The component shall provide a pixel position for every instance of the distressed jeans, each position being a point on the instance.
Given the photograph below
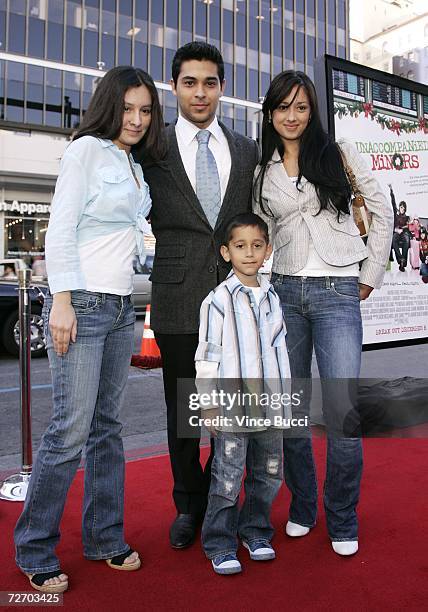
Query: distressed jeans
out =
(323, 314)
(88, 384)
(261, 454)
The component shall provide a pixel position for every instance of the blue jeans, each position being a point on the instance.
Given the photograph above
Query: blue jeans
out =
(88, 385)
(323, 314)
(261, 454)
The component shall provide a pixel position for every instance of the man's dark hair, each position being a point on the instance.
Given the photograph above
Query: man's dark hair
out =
(197, 51)
(245, 220)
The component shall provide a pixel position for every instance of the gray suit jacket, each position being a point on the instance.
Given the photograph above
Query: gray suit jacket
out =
(338, 243)
(188, 264)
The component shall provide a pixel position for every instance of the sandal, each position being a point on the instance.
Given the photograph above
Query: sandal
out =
(118, 562)
(37, 582)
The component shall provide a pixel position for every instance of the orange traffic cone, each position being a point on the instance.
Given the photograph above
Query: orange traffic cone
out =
(149, 356)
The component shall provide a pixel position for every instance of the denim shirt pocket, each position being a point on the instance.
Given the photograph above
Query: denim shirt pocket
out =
(115, 199)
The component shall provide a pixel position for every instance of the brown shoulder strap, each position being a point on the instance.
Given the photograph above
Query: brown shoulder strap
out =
(350, 174)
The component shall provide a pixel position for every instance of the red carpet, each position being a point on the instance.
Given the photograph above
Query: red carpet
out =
(389, 573)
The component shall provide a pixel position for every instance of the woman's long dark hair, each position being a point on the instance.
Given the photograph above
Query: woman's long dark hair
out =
(320, 160)
(104, 116)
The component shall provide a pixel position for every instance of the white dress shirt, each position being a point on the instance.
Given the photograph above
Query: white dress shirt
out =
(188, 147)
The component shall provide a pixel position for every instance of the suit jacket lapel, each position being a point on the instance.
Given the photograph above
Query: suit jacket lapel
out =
(179, 174)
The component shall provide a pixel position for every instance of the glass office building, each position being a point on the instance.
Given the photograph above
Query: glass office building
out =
(52, 50)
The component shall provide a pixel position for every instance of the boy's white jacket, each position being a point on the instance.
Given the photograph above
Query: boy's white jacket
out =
(246, 343)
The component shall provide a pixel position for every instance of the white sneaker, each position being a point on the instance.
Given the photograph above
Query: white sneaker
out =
(294, 530)
(260, 550)
(226, 564)
(345, 548)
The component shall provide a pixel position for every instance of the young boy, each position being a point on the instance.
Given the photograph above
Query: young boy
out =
(242, 337)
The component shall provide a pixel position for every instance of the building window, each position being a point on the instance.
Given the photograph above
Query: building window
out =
(241, 29)
(71, 97)
(156, 62)
(300, 47)
(289, 43)
(36, 37)
(214, 32)
(186, 15)
(310, 48)
(201, 20)
(332, 12)
(17, 27)
(172, 14)
(15, 92)
(34, 97)
(227, 26)
(341, 14)
(241, 82)
(157, 11)
(253, 84)
(53, 114)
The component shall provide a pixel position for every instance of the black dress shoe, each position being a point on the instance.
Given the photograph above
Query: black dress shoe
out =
(183, 530)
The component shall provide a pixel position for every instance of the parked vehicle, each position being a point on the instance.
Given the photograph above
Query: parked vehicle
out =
(9, 308)
(9, 317)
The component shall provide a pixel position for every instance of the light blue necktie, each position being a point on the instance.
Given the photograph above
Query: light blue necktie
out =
(207, 179)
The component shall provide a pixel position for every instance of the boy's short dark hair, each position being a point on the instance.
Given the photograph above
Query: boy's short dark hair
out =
(245, 220)
(200, 51)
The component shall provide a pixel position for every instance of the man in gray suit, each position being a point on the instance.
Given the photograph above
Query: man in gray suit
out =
(204, 181)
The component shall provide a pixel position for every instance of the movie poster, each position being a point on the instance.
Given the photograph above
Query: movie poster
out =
(389, 127)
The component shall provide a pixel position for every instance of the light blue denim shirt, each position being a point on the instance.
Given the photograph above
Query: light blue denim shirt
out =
(95, 195)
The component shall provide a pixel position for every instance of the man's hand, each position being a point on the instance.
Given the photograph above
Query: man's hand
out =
(365, 291)
(62, 322)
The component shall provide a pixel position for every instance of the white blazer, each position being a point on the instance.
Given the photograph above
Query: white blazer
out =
(295, 220)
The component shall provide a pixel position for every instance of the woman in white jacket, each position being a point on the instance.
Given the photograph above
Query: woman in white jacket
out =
(301, 189)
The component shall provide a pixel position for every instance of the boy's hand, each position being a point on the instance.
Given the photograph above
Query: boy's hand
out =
(209, 414)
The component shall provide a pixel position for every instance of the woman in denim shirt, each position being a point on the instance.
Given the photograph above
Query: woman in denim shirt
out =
(96, 226)
(303, 192)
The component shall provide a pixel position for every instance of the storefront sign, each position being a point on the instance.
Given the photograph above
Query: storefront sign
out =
(25, 208)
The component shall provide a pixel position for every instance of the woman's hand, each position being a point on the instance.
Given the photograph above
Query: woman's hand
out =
(62, 322)
(365, 291)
